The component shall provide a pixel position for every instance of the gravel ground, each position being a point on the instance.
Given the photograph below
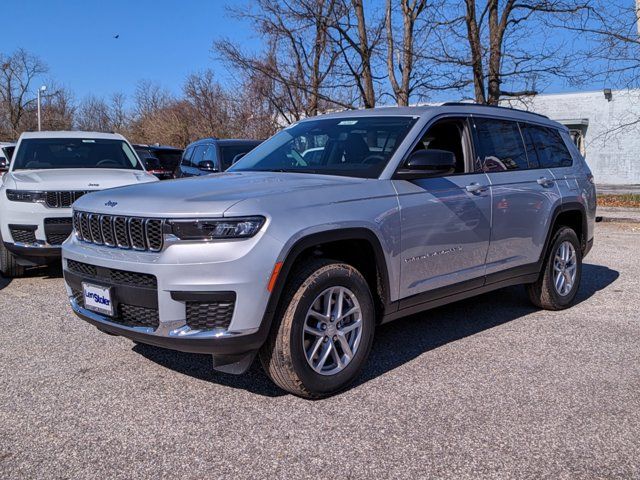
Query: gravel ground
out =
(485, 388)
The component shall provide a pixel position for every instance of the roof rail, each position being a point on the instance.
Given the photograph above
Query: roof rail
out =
(481, 105)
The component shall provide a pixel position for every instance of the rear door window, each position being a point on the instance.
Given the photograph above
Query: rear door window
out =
(500, 146)
(551, 149)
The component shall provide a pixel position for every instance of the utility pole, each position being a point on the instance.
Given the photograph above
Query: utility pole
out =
(43, 88)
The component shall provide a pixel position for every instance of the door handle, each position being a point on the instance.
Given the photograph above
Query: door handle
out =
(475, 188)
(544, 181)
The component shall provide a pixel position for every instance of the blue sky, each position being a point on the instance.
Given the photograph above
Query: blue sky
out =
(160, 40)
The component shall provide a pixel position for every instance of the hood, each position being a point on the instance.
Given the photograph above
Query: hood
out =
(209, 195)
(77, 178)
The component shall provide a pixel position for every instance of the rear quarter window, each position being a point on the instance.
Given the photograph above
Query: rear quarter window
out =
(549, 146)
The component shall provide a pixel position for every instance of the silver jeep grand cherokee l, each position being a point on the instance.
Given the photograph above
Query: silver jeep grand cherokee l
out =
(334, 225)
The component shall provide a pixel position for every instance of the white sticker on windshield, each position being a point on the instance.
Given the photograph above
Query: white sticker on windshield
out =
(84, 140)
(348, 122)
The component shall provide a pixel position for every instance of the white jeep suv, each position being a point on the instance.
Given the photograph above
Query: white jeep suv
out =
(47, 173)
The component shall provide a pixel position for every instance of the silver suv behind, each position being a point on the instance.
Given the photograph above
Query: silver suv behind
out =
(334, 225)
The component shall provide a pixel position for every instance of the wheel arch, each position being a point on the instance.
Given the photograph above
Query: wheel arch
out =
(572, 215)
(328, 243)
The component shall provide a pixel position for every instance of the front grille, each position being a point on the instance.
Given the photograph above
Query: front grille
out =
(22, 234)
(57, 229)
(135, 316)
(62, 199)
(56, 238)
(118, 277)
(127, 315)
(209, 316)
(133, 278)
(144, 234)
(82, 268)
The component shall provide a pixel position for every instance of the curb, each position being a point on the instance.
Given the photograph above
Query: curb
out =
(617, 219)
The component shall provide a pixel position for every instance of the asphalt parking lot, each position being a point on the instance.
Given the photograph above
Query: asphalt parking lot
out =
(488, 387)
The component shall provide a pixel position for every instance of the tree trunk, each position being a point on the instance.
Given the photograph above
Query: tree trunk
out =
(369, 96)
(495, 54)
(476, 51)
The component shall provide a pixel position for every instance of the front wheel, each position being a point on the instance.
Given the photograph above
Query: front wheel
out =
(8, 265)
(559, 280)
(324, 330)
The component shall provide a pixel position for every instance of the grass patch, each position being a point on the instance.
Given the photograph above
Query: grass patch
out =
(623, 200)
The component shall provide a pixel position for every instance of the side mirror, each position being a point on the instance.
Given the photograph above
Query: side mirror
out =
(428, 163)
(207, 166)
(237, 157)
(4, 165)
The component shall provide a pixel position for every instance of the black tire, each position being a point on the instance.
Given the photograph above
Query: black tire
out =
(8, 265)
(543, 293)
(283, 355)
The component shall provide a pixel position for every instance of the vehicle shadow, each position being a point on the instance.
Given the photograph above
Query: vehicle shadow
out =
(46, 272)
(201, 367)
(398, 342)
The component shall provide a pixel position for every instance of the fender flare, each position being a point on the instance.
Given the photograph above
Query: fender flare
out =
(560, 209)
(308, 241)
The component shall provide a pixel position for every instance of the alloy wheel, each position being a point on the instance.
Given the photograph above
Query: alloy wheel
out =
(564, 268)
(332, 330)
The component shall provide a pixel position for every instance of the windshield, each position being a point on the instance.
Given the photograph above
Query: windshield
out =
(52, 153)
(354, 147)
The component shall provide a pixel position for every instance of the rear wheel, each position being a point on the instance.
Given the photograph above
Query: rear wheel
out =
(559, 280)
(324, 330)
(8, 264)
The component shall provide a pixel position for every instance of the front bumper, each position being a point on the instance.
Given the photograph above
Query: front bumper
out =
(226, 343)
(42, 231)
(182, 274)
(33, 254)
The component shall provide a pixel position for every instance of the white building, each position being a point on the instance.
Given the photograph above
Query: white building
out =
(604, 124)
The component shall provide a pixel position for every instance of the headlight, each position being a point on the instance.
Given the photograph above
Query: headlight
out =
(205, 229)
(25, 196)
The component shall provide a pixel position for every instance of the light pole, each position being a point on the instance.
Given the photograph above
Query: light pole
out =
(40, 91)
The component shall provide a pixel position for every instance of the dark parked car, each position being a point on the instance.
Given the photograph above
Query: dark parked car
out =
(211, 155)
(159, 160)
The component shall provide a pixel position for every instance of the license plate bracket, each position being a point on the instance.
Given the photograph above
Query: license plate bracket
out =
(98, 298)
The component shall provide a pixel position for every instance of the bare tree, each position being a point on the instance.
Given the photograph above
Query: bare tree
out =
(149, 97)
(253, 115)
(99, 115)
(613, 35)
(357, 41)
(209, 103)
(118, 114)
(406, 55)
(18, 72)
(58, 110)
(93, 115)
(499, 48)
(297, 60)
